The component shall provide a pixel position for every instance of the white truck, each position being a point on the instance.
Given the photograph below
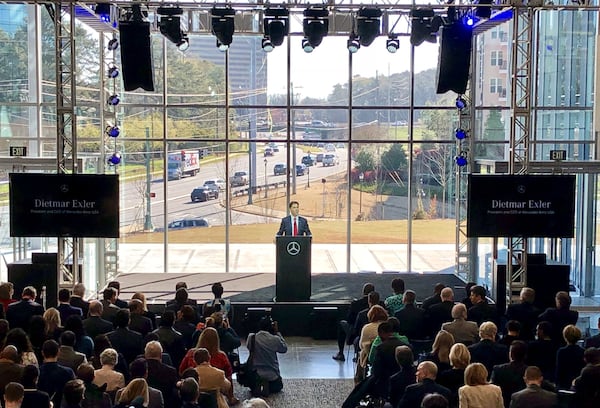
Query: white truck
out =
(183, 163)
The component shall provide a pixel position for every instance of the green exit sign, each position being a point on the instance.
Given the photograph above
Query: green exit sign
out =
(18, 151)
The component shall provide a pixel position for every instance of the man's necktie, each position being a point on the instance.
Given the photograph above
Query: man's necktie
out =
(295, 227)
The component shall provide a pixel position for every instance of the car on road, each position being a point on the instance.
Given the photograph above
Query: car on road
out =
(274, 147)
(330, 147)
(268, 152)
(239, 179)
(308, 160)
(279, 169)
(300, 169)
(219, 183)
(319, 157)
(330, 159)
(188, 223)
(204, 194)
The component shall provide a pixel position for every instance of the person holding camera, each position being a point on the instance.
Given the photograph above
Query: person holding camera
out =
(265, 345)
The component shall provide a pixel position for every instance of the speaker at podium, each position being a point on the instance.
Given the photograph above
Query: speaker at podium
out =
(292, 277)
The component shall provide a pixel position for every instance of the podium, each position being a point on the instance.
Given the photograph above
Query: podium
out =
(292, 278)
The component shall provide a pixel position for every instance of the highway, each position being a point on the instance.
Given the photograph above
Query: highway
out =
(179, 204)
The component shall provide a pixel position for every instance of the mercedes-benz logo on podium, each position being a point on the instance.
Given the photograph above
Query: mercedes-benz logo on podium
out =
(293, 248)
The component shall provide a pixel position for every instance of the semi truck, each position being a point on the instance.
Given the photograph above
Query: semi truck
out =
(183, 163)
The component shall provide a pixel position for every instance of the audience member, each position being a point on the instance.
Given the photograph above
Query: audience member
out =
(95, 396)
(181, 300)
(83, 343)
(487, 351)
(212, 379)
(345, 331)
(36, 335)
(137, 321)
(73, 394)
(181, 285)
(147, 313)
(267, 342)
(414, 394)
(255, 403)
(376, 315)
(467, 300)
(134, 395)
(477, 392)
(412, 318)
(534, 396)
(481, 311)
(569, 359)
(440, 353)
(454, 378)
(440, 313)
(64, 307)
(510, 376)
(161, 376)
(205, 399)
(53, 324)
(7, 290)
(395, 335)
(107, 374)
(109, 309)
(33, 398)
(121, 304)
(434, 401)
(384, 361)
(67, 356)
(124, 340)
(559, 317)
(218, 304)
(13, 395)
(95, 324)
(19, 313)
(393, 303)
(593, 341)
(587, 391)
(189, 391)
(435, 298)
(10, 369)
(170, 339)
(463, 331)
(101, 343)
(362, 318)
(209, 339)
(542, 351)
(513, 332)
(4, 328)
(77, 300)
(525, 312)
(18, 338)
(404, 377)
(185, 324)
(53, 376)
(139, 369)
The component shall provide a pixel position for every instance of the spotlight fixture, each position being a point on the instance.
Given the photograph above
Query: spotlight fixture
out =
(170, 26)
(393, 43)
(275, 27)
(461, 103)
(461, 159)
(112, 131)
(315, 26)
(223, 26)
(113, 100)
(368, 25)
(423, 27)
(484, 11)
(103, 10)
(460, 134)
(113, 71)
(113, 44)
(114, 159)
(353, 43)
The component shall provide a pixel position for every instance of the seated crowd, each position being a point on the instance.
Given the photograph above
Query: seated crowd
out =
(452, 354)
(116, 353)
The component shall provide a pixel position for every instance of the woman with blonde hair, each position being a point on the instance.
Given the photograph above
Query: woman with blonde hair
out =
(454, 378)
(53, 324)
(147, 313)
(477, 391)
(440, 353)
(376, 315)
(135, 394)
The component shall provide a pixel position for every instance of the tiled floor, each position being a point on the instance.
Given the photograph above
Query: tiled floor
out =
(308, 358)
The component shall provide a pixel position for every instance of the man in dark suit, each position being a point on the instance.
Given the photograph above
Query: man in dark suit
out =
(109, 309)
(361, 319)
(77, 299)
(481, 311)
(161, 376)
(525, 313)
(440, 313)
(137, 321)
(414, 394)
(542, 351)
(181, 285)
(533, 396)
(67, 356)
(181, 300)
(117, 286)
(559, 317)
(64, 307)
(53, 376)
(587, 392)
(487, 351)
(435, 298)
(171, 341)
(19, 313)
(94, 324)
(412, 318)
(125, 341)
(593, 341)
(345, 333)
(384, 362)
(10, 369)
(509, 376)
(294, 225)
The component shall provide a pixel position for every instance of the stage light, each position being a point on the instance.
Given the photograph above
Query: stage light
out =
(114, 159)
(275, 27)
(393, 43)
(368, 25)
(353, 43)
(484, 11)
(113, 71)
(461, 160)
(460, 134)
(422, 26)
(170, 26)
(315, 26)
(113, 100)
(112, 131)
(223, 26)
(469, 20)
(113, 44)
(461, 102)
(103, 10)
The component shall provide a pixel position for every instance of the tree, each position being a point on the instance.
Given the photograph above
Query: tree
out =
(437, 159)
(394, 163)
(365, 161)
(493, 132)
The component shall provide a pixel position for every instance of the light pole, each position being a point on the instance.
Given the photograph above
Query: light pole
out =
(266, 177)
(361, 177)
(308, 176)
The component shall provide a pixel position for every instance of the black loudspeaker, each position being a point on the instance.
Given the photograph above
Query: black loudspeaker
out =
(39, 275)
(454, 58)
(324, 322)
(136, 55)
(546, 280)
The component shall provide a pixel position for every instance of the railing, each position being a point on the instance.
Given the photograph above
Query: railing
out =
(256, 189)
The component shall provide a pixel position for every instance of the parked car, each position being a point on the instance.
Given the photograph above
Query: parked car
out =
(220, 183)
(240, 178)
(279, 169)
(204, 194)
(268, 152)
(308, 160)
(188, 223)
(319, 157)
(330, 160)
(300, 169)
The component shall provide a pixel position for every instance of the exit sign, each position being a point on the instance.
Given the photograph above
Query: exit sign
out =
(558, 154)
(18, 151)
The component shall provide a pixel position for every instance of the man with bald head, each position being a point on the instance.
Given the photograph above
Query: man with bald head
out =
(414, 394)
(440, 313)
(161, 376)
(464, 331)
(525, 312)
(95, 324)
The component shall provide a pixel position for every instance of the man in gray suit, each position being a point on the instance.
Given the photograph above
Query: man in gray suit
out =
(533, 396)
